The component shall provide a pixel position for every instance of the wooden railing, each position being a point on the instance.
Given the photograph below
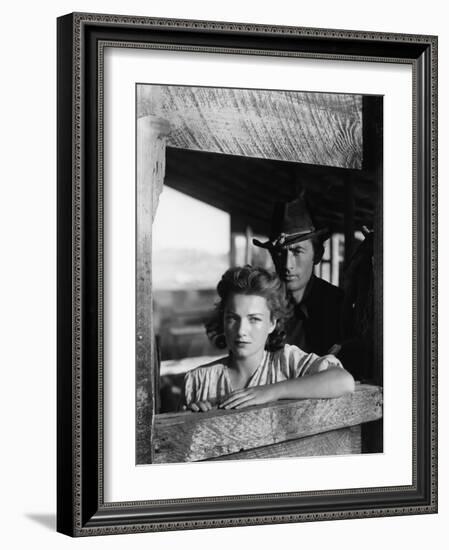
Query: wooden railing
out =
(307, 427)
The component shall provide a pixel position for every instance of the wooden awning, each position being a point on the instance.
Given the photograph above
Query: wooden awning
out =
(313, 128)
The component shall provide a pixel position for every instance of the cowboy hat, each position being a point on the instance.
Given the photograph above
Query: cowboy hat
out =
(291, 223)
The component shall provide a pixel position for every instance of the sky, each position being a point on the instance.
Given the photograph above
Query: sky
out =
(184, 222)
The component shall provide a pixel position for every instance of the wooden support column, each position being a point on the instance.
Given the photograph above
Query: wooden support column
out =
(373, 162)
(335, 256)
(238, 228)
(349, 219)
(248, 245)
(151, 141)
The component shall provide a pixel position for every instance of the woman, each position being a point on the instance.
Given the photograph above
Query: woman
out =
(259, 367)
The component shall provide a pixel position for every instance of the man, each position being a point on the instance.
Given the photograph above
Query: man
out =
(296, 246)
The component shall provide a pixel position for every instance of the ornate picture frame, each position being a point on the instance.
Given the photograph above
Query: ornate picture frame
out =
(83, 509)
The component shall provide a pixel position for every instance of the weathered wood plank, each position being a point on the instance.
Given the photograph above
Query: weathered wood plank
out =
(185, 437)
(151, 137)
(308, 127)
(337, 442)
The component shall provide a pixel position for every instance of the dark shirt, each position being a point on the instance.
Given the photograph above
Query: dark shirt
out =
(315, 325)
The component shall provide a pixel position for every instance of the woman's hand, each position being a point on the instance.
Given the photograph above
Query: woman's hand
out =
(199, 406)
(247, 397)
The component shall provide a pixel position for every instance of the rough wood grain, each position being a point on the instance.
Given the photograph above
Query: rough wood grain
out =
(337, 442)
(185, 437)
(308, 127)
(151, 137)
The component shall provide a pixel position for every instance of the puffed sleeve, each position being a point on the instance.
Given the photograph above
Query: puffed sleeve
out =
(189, 390)
(323, 363)
(302, 363)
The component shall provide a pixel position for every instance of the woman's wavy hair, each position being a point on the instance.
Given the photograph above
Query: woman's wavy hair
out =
(257, 281)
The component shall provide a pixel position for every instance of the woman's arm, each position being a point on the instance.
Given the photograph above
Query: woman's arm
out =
(332, 382)
(335, 381)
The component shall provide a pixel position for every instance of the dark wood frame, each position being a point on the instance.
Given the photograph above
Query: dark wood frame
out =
(81, 507)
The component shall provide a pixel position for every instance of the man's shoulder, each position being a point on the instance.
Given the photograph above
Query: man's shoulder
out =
(320, 286)
(325, 296)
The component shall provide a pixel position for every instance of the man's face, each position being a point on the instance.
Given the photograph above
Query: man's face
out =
(294, 264)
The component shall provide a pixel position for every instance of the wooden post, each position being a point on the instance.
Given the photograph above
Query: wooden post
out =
(373, 136)
(248, 245)
(373, 161)
(151, 139)
(335, 257)
(349, 219)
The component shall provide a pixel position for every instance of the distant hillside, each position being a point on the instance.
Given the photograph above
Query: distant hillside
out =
(187, 268)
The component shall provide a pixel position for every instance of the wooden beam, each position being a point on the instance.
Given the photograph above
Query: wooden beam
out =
(308, 127)
(186, 437)
(337, 442)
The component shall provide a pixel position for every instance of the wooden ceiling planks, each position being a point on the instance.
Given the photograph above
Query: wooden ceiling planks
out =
(247, 188)
(307, 127)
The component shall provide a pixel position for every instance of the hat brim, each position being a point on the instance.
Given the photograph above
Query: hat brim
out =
(293, 239)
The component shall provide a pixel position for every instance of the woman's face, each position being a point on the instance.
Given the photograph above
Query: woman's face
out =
(247, 324)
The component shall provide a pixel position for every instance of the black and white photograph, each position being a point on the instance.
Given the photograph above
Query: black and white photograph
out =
(259, 261)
